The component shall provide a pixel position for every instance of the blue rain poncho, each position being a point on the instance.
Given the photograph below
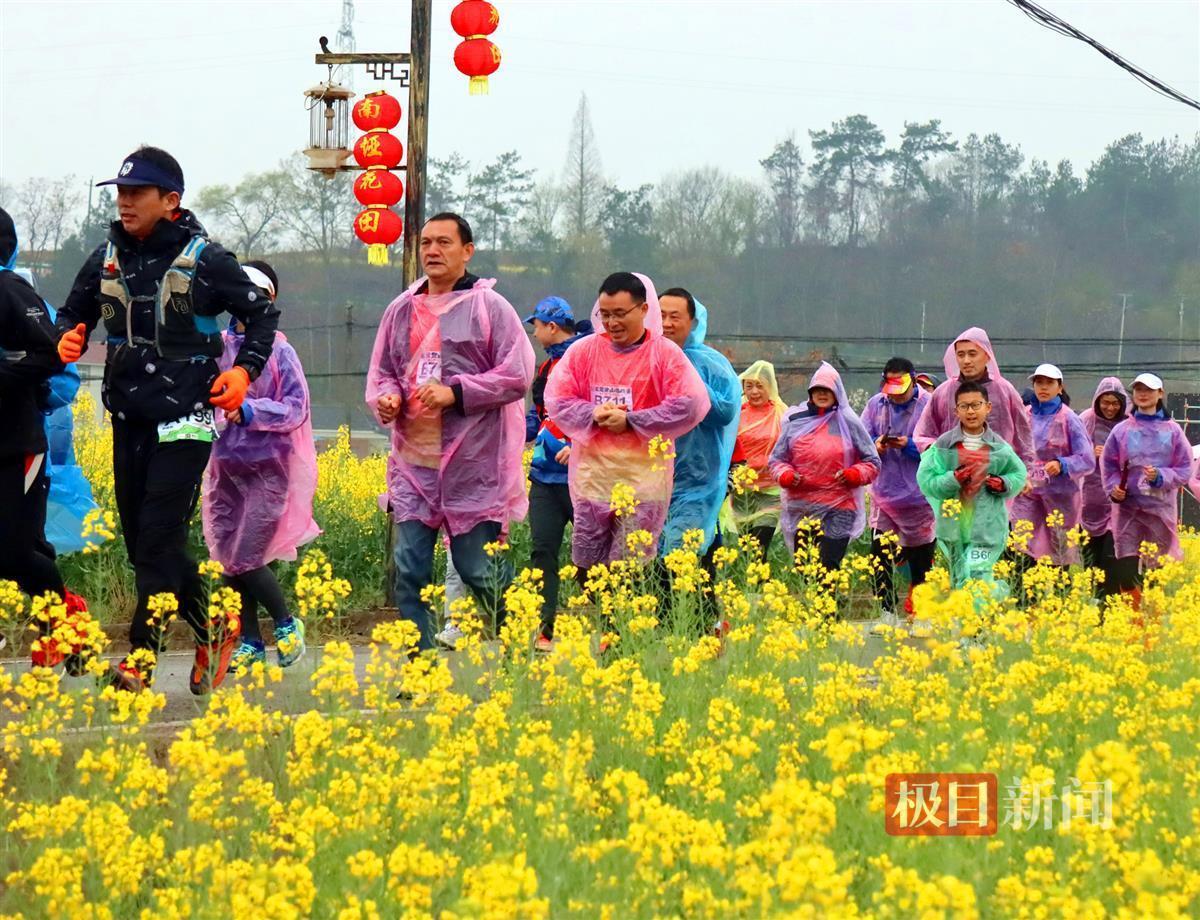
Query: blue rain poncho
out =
(703, 455)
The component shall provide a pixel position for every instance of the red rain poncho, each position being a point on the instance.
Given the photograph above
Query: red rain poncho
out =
(816, 445)
(664, 396)
(261, 478)
(1008, 418)
(1149, 513)
(1057, 435)
(897, 504)
(449, 468)
(1097, 507)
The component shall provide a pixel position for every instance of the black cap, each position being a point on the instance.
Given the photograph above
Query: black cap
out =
(136, 171)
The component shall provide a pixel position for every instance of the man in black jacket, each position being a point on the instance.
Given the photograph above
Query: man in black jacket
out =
(27, 361)
(159, 285)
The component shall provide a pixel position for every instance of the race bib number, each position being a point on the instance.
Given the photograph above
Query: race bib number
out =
(429, 369)
(1037, 475)
(199, 426)
(622, 396)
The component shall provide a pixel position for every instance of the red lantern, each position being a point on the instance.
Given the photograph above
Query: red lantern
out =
(473, 18)
(377, 111)
(378, 187)
(379, 228)
(378, 148)
(478, 58)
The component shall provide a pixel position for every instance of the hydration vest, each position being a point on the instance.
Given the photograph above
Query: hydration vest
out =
(179, 333)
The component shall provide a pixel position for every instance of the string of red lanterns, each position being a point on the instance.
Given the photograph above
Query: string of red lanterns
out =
(476, 56)
(378, 188)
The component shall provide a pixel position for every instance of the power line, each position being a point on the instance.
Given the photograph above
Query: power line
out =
(1044, 17)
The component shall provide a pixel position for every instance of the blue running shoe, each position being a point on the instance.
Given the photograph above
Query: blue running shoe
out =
(289, 642)
(245, 656)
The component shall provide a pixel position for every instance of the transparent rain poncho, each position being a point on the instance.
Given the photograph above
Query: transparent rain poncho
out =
(1150, 512)
(816, 445)
(1056, 436)
(1097, 507)
(663, 395)
(897, 504)
(69, 500)
(1008, 418)
(702, 456)
(262, 476)
(758, 430)
(450, 468)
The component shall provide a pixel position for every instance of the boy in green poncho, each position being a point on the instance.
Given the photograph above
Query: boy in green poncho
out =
(976, 467)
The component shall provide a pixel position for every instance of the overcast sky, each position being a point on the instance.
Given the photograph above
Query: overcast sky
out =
(671, 84)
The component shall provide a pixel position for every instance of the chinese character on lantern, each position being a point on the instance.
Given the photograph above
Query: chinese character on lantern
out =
(378, 188)
(476, 56)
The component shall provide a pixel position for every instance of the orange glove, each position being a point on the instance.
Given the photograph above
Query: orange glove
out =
(72, 344)
(229, 389)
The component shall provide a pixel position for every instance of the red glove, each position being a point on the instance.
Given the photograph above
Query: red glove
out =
(72, 344)
(995, 485)
(229, 389)
(789, 479)
(963, 475)
(852, 477)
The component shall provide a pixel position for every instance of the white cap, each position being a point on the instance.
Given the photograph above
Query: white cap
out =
(260, 279)
(1047, 370)
(1153, 381)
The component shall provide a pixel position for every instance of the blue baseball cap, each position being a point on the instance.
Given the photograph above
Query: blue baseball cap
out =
(553, 310)
(136, 171)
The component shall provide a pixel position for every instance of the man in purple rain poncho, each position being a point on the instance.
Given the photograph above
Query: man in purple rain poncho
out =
(971, 357)
(1110, 407)
(897, 504)
(448, 374)
(259, 488)
(1145, 462)
(1062, 457)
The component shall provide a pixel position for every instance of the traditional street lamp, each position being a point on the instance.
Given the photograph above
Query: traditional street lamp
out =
(328, 127)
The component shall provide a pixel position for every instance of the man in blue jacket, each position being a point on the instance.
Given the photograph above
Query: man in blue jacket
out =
(703, 455)
(550, 508)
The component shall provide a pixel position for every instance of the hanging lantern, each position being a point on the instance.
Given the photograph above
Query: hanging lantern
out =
(378, 148)
(329, 128)
(379, 228)
(378, 187)
(377, 111)
(476, 57)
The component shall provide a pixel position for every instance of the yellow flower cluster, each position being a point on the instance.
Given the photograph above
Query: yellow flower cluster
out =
(681, 774)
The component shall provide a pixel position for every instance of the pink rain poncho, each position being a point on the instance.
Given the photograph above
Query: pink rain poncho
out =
(1008, 417)
(261, 478)
(1150, 511)
(663, 395)
(1058, 434)
(816, 445)
(1097, 507)
(454, 468)
(897, 504)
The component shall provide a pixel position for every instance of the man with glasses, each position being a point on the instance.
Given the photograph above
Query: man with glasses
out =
(622, 395)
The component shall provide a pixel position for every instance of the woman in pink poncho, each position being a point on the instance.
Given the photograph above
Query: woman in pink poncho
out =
(824, 459)
(611, 394)
(1063, 456)
(1110, 407)
(1145, 462)
(971, 357)
(449, 372)
(259, 487)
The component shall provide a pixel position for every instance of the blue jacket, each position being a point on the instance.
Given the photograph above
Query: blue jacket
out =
(703, 455)
(547, 439)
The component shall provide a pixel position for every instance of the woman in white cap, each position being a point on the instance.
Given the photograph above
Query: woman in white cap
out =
(1146, 461)
(1052, 500)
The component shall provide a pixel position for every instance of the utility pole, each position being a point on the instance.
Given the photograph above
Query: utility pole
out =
(1121, 335)
(418, 138)
(1180, 358)
(922, 327)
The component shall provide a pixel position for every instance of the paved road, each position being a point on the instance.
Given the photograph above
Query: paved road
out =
(174, 666)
